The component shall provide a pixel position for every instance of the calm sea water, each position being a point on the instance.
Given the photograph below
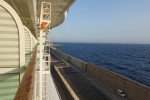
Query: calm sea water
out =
(132, 61)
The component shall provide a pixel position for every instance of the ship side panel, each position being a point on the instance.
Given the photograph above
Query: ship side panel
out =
(28, 46)
(9, 55)
(11, 50)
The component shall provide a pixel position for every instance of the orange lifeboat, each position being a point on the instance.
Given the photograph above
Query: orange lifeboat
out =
(43, 25)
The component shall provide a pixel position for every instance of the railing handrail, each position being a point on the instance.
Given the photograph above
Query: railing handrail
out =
(26, 87)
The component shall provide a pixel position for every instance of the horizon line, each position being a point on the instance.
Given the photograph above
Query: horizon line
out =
(103, 43)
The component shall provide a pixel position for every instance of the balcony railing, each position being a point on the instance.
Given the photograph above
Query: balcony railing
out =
(26, 87)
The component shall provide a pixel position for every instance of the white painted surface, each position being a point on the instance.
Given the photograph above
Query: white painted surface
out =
(9, 70)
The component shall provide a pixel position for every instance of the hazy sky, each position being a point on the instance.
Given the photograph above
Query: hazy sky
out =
(106, 21)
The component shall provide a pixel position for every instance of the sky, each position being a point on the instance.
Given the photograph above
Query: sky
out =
(105, 21)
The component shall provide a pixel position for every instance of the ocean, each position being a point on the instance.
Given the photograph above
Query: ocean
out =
(130, 60)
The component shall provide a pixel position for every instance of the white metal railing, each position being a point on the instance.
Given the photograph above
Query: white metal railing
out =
(43, 60)
(45, 88)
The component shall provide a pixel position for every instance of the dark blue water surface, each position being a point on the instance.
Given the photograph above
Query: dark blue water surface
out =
(132, 61)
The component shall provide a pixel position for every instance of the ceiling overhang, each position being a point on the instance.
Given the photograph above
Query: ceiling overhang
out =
(58, 9)
(28, 11)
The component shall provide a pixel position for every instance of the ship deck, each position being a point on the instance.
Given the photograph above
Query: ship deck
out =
(78, 84)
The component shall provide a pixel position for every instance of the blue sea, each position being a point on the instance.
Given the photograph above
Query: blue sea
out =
(130, 60)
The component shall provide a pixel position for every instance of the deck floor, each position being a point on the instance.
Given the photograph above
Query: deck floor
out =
(80, 85)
